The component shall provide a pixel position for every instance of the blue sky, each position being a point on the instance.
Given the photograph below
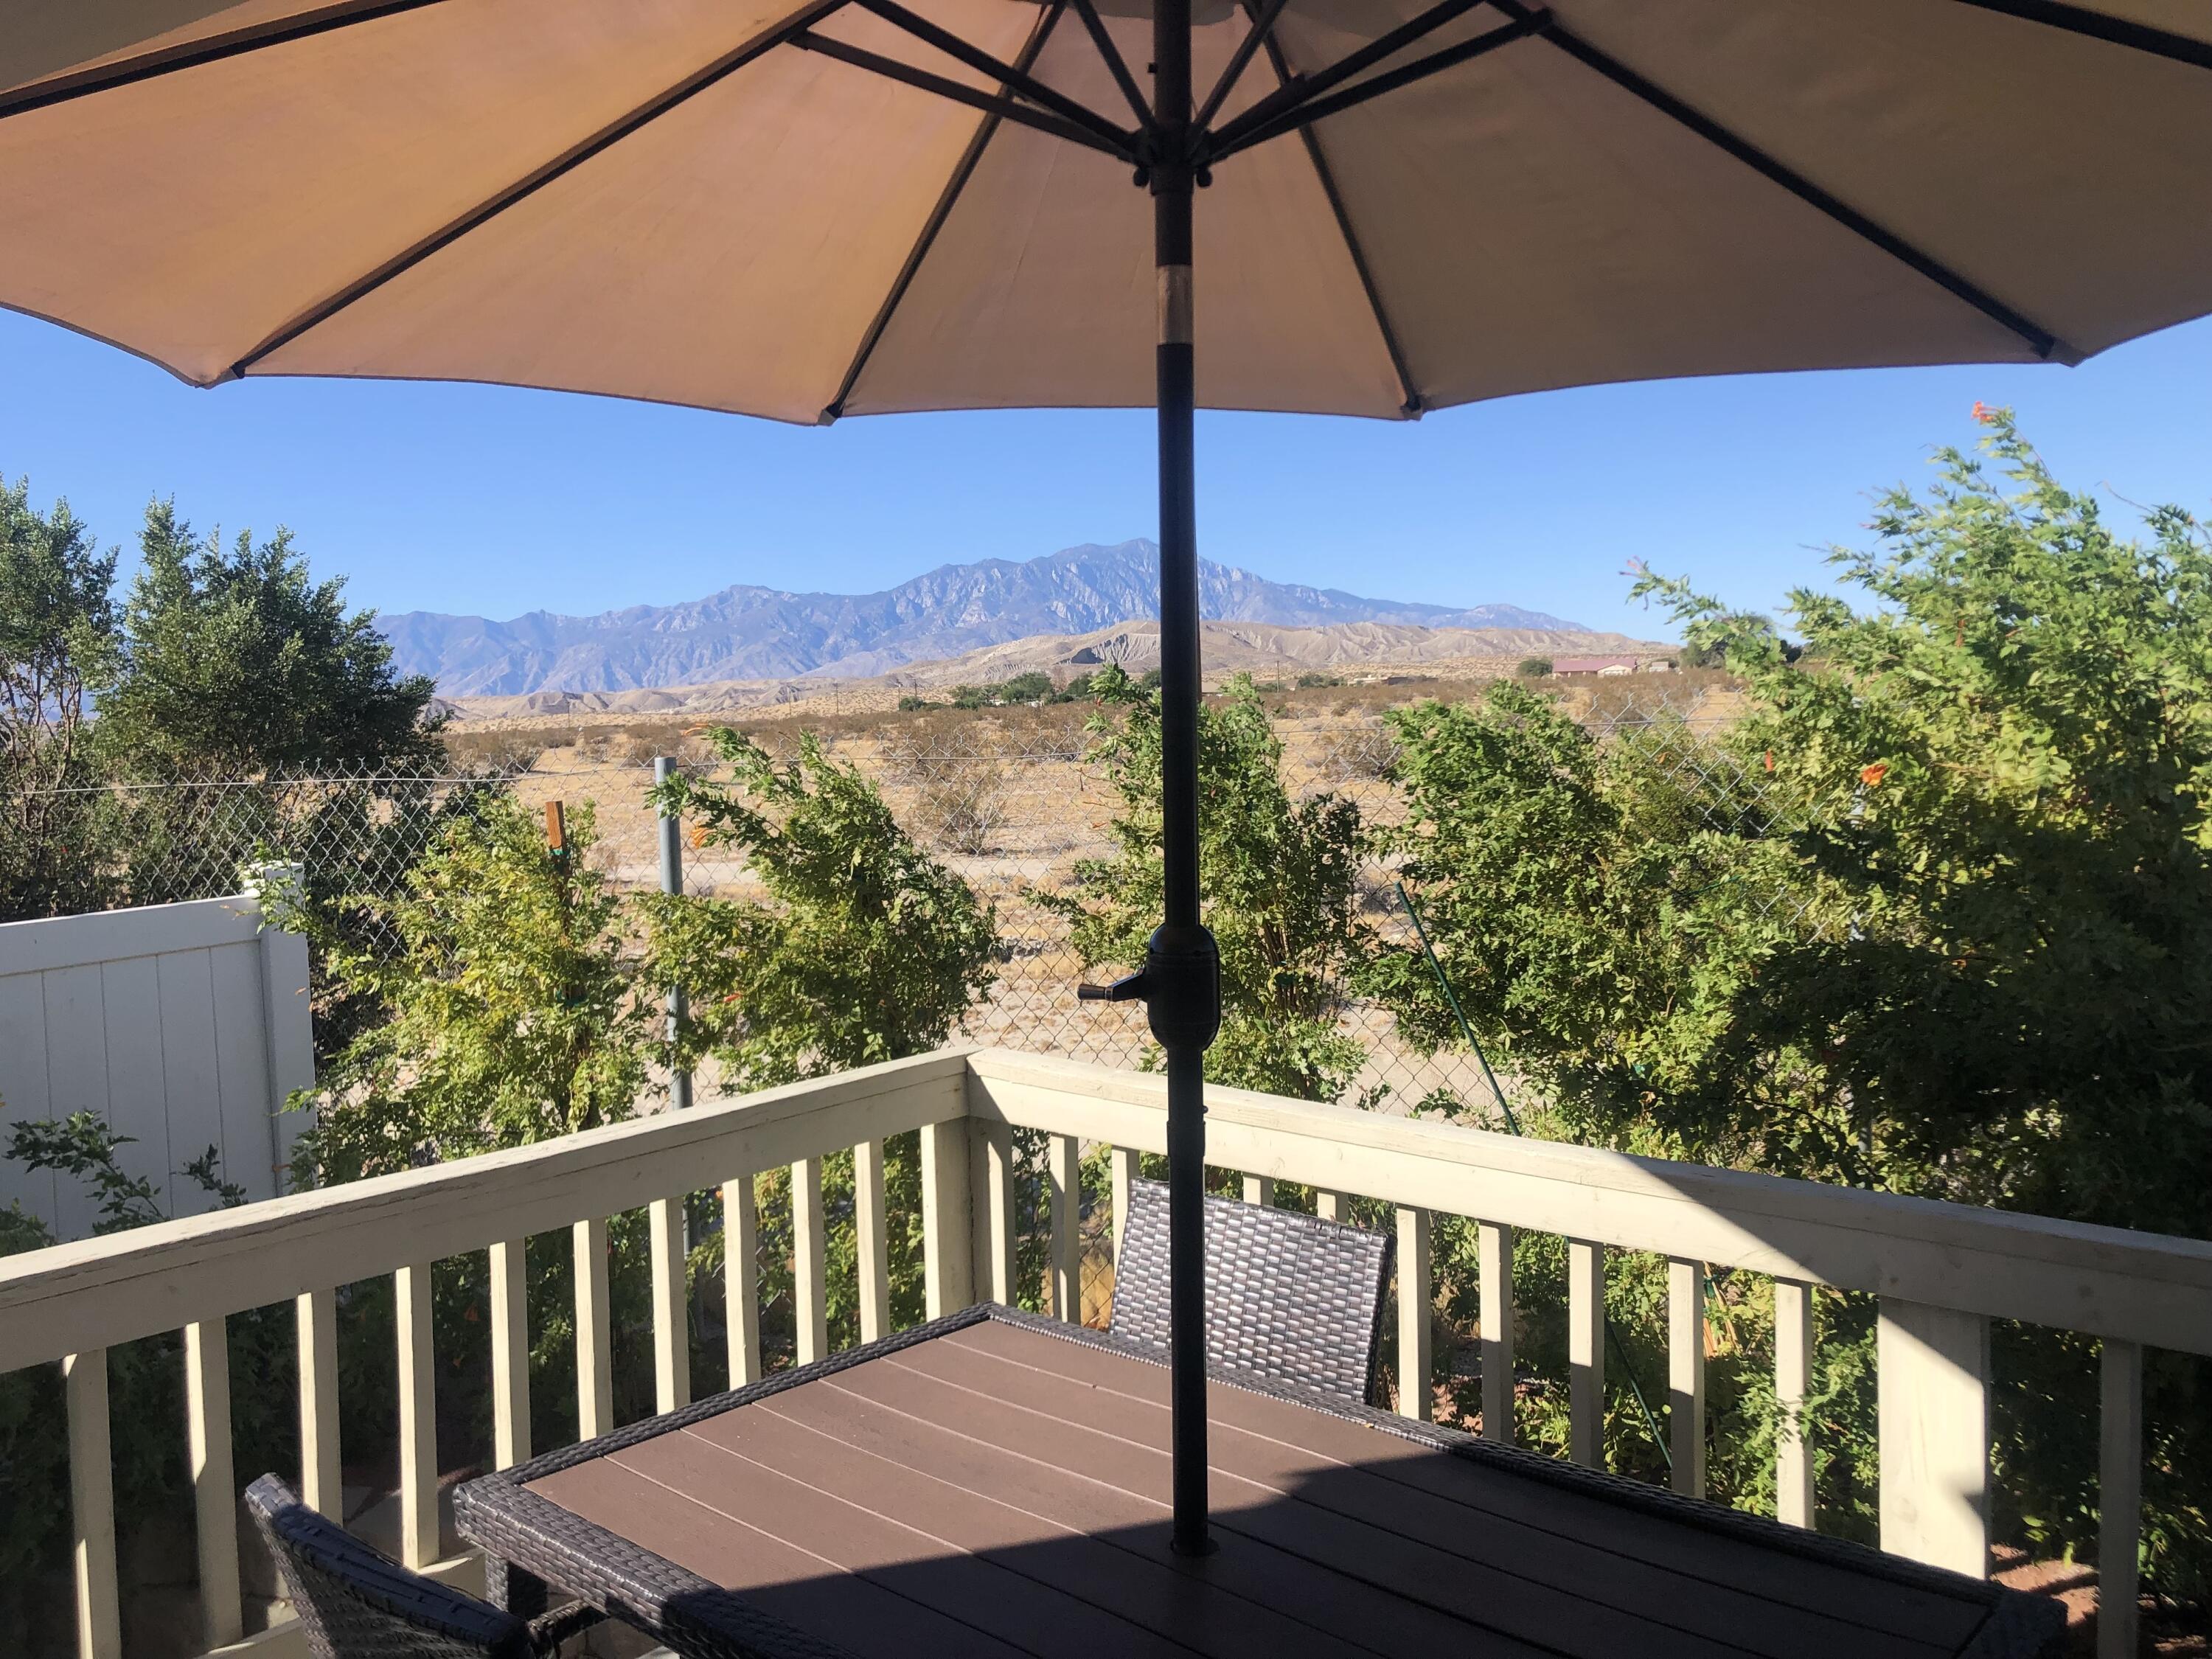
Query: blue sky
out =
(480, 499)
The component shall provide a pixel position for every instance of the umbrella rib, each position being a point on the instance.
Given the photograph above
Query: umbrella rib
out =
(1263, 29)
(2045, 344)
(1320, 109)
(1297, 89)
(728, 64)
(1412, 402)
(1115, 65)
(962, 171)
(191, 54)
(1028, 86)
(2098, 26)
(998, 104)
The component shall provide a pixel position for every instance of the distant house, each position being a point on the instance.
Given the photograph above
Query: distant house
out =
(1594, 665)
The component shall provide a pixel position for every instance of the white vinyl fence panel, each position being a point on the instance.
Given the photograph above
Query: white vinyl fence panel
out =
(184, 1026)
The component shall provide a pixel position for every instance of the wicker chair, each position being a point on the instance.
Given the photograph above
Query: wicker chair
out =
(356, 1603)
(1288, 1297)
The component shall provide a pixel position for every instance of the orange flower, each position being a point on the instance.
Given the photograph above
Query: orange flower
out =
(1983, 414)
(1770, 760)
(1871, 775)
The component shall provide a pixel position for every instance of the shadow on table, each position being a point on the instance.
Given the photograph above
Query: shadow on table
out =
(1500, 1555)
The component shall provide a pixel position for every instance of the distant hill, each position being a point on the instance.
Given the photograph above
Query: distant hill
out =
(761, 634)
(1353, 651)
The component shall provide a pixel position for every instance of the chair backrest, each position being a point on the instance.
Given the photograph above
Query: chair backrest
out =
(1288, 1297)
(355, 1603)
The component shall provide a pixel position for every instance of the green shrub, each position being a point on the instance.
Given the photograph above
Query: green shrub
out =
(1955, 939)
(1279, 879)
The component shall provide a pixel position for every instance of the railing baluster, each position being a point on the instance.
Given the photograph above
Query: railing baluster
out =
(991, 1178)
(1932, 1394)
(741, 1280)
(947, 1244)
(870, 1240)
(1586, 1352)
(92, 1505)
(1063, 1156)
(810, 1289)
(1416, 1393)
(1686, 1375)
(317, 1313)
(1124, 1164)
(1261, 1190)
(510, 1352)
(2119, 1501)
(1330, 1206)
(215, 1491)
(1494, 1265)
(595, 1357)
(1793, 1380)
(672, 1325)
(418, 1419)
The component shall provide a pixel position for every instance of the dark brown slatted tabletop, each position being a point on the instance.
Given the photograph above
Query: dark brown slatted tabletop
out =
(1001, 1488)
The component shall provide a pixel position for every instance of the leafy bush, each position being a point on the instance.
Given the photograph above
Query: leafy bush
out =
(869, 950)
(1279, 879)
(1959, 943)
(510, 1014)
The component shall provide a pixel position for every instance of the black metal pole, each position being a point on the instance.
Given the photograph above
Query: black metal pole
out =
(1182, 969)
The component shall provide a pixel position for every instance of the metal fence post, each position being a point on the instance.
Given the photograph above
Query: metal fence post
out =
(671, 881)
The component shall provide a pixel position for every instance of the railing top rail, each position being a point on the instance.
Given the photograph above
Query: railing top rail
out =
(2144, 1287)
(96, 1292)
(2148, 1287)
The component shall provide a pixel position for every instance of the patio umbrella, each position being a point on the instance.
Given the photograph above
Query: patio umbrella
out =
(860, 206)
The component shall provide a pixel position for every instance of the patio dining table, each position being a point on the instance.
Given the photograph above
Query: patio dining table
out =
(993, 1484)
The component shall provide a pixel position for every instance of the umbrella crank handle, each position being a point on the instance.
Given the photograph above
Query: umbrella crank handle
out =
(1180, 985)
(1130, 987)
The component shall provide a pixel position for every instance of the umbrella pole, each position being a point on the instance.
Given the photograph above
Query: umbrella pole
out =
(1182, 976)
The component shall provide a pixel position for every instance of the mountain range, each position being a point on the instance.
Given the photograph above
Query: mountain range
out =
(746, 633)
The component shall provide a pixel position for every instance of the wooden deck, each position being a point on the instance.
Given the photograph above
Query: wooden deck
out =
(1000, 1491)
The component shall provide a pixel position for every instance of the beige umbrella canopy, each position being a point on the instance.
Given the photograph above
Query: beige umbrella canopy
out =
(680, 200)
(854, 207)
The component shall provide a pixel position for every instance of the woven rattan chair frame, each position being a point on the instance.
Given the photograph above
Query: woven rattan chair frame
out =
(355, 1603)
(1289, 1297)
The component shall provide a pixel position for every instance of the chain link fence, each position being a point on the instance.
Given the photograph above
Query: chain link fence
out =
(1011, 798)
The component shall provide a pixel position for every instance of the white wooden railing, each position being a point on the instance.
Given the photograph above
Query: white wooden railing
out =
(1942, 1272)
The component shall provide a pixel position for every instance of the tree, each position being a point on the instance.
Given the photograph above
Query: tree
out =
(238, 662)
(510, 1013)
(1961, 945)
(1279, 879)
(58, 655)
(867, 949)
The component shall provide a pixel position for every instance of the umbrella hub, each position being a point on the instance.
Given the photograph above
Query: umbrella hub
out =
(1183, 986)
(1180, 986)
